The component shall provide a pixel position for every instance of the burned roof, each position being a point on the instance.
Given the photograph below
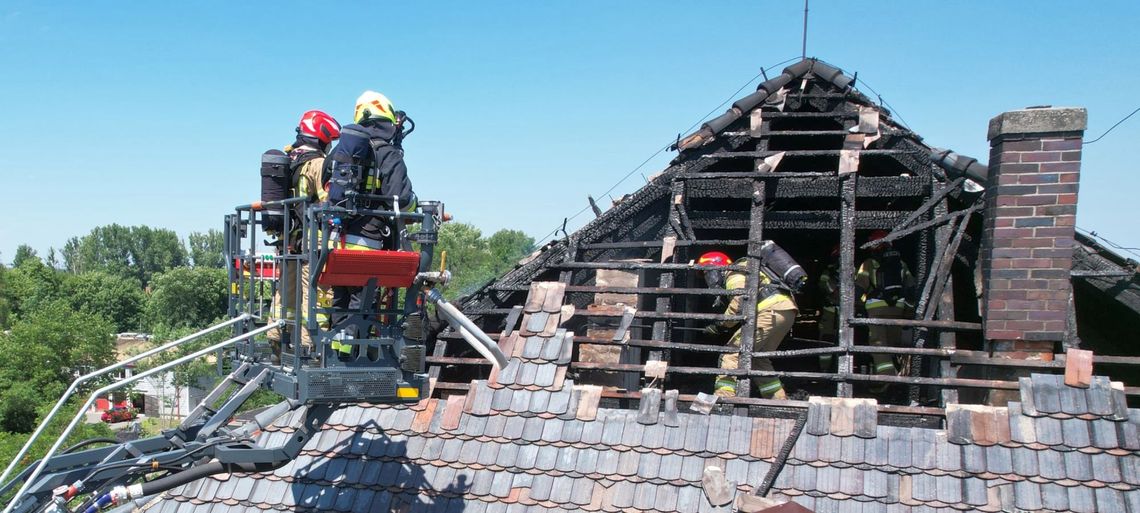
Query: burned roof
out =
(602, 326)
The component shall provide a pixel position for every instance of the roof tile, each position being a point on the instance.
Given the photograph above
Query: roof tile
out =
(923, 454)
(532, 429)
(552, 347)
(1049, 431)
(959, 429)
(513, 429)
(560, 401)
(1078, 465)
(1024, 461)
(693, 469)
(1021, 427)
(615, 423)
(495, 426)
(875, 483)
(805, 478)
(974, 458)
(1130, 469)
(561, 490)
(535, 297)
(649, 465)
(1082, 499)
(819, 416)
(851, 481)
(1047, 392)
(547, 458)
(507, 455)
(588, 401)
(1054, 497)
(924, 487)
(899, 447)
(1075, 432)
(475, 426)
(806, 448)
(696, 435)
(1103, 434)
(527, 374)
(488, 454)
(501, 484)
(875, 449)
(666, 498)
(1108, 499)
(552, 430)
(828, 479)
(1073, 402)
(739, 435)
(567, 459)
(481, 483)
(628, 463)
(622, 494)
(866, 418)
(1027, 494)
(649, 406)
(509, 374)
(527, 456)
(720, 429)
(1051, 464)
(974, 491)
(582, 492)
(1028, 403)
(1098, 396)
(469, 451)
(608, 462)
(546, 374)
(672, 417)
(999, 460)
(634, 431)
(1127, 432)
(851, 450)
(587, 462)
(502, 399)
(1105, 467)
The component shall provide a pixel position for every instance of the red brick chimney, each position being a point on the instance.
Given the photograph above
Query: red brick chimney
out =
(1030, 214)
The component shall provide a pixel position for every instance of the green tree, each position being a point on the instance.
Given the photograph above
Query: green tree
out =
(32, 285)
(206, 249)
(6, 297)
(24, 253)
(474, 260)
(187, 297)
(11, 442)
(136, 252)
(507, 248)
(48, 346)
(118, 299)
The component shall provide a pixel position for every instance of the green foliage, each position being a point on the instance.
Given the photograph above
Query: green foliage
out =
(6, 297)
(130, 251)
(18, 409)
(187, 297)
(49, 346)
(206, 249)
(31, 286)
(10, 442)
(24, 253)
(118, 299)
(474, 260)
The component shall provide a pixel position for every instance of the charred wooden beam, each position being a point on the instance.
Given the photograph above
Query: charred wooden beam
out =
(658, 243)
(751, 282)
(898, 233)
(847, 280)
(633, 266)
(798, 219)
(931, 203)
(800, 153)
(912, 323)
(658, 291)
(640, 314)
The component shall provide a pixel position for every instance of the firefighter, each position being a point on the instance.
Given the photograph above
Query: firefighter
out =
(775, 315)
(884, 286)
(829, 306)
(369, 159)
(315, 133)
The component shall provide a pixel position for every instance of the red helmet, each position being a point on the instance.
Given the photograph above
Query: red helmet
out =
(320, 126)
(714, 258)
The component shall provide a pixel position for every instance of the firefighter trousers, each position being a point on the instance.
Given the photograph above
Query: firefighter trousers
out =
(287, 295)
(772, 326)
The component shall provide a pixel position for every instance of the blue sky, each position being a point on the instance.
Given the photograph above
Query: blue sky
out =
(157, 113)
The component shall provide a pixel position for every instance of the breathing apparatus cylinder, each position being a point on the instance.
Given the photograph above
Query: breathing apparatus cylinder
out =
(782, 265)
(275, 184)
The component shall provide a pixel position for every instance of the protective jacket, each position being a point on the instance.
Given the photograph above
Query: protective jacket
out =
(869, 284)
(373, 150)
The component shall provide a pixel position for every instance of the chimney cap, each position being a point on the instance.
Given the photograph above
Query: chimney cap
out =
(1039, 120)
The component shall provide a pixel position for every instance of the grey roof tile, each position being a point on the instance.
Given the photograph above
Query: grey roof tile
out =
(1075, 432)
(488, 453)
(513, 429)
(866, 419)
(949, 489)
(1120, 409)
(508, 374)
(501, 484)
(719, 429)
(757, 470)
(532, 429)
(507, 455)
(827, 479)
(736, 471)
(501, 400)
(1082, 499)
(481, 483)
(587, 462)
(495, 425)
(1130, 469)
(1051, 464)
(552, 430)
(671, 415)
(552, 347)
(364, 500)
(633, 432)
(567, 459)
(1073, 401)
(666, 498)
(560, 400)
(545, 375)
(608, 462)
(1099, 396)
(924, 487)
(370, 473)
(614, 425)
(973, 458)
(644, 495)
(875, 484)
(675, 436)
(1078, 465)
(649, 406)
(535, 323)
(1132, 497)
(851, 481)
(1108, 499)
(572, 406)
(739, 435)
(1103, 434)
(807, 447)
(1129, 432)
(1049, 431)
(1054, 497)
(805, 478)
(1024, 461)
(671, 466)
(561, 490)
(547, 458)
(947, 456)
(959, 425)
(693, 469)
(469, 451)
(1021, 427)
(582, 492)
(527, 456)
(999, 460)
(899, 448)
(653, 437)
(649, 465)
(403, 420)
(1027, 495)
(851, 449)
(875, 450)
(923, 442)
(572, 430)
(592, 430)
(819, 418)
(974, 491)
(527, 373)
(622, 494)
(830, 449)
(522, 480)
(1047, 392)
(628, 462)
(475, 426)
(1106, 468)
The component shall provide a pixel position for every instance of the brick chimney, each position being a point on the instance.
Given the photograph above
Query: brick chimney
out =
(1027, 240)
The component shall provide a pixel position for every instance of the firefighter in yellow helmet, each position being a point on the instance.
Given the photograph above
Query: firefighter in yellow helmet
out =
(885, 286)
(775, 314)
(369, 158)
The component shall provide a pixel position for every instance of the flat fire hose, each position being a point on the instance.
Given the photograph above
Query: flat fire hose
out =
(468, 330)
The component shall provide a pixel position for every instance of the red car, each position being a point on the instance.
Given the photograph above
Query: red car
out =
(119, 414)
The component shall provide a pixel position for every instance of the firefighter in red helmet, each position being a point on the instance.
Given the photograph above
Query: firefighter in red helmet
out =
(316, 132)
(775, 314)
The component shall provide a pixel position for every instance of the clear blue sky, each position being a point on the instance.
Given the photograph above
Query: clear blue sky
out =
(156, 113)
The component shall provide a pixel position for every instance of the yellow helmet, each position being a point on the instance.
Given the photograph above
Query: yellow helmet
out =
(372, 105)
